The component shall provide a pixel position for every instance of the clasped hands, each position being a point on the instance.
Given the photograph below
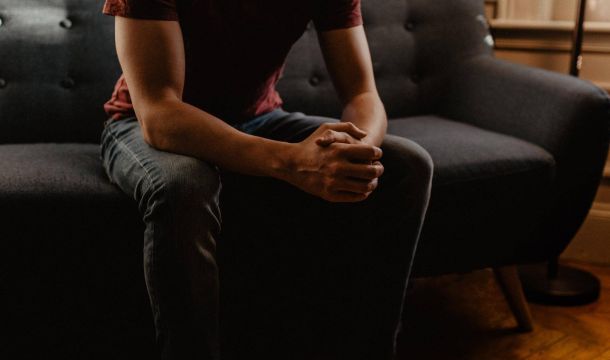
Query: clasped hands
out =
(335, 164)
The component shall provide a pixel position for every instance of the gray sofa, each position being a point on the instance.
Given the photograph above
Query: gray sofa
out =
(518, 155)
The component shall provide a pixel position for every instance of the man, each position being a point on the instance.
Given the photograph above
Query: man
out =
(201, 99)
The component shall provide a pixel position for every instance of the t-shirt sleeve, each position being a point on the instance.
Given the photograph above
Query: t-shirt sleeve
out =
(142, 9)
(337, 14)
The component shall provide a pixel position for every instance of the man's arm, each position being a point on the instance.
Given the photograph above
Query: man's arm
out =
(151, 54)
(348, 60)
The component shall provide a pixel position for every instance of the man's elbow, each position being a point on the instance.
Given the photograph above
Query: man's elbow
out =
(152, 131)
(153, 118)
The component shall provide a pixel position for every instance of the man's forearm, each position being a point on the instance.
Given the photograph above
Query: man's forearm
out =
(366, 111)
(180, 128)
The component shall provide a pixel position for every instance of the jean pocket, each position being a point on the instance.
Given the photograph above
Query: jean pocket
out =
(105, 164)
(105, 143)
(107, 122)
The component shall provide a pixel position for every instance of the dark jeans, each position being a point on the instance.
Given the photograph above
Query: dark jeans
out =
(303, 278)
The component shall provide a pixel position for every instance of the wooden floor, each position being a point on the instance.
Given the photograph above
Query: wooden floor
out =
(465, 317)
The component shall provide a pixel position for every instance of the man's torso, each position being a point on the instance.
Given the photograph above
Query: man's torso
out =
(234, 49)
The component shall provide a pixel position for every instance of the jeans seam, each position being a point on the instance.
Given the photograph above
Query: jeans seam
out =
(135, 157)
(155, 303)
(153, 247)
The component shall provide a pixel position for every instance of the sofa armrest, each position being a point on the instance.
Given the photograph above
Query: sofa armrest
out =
(568, 117)
(554, 111)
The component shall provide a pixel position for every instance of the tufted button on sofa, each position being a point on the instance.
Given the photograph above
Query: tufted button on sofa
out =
(518, 155)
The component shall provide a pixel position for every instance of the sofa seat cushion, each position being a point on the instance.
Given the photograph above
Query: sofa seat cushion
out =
(59, 192)
(70, 237)
(489, 191)
(51, 172)
(463, 153)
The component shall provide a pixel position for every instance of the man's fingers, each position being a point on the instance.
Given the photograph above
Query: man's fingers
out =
(361, 171)
(347, 127)
(355, 185)
(359, 152)
(346, 196)
(331, 136)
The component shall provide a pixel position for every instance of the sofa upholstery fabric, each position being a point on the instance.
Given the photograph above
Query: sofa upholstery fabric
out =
(518, 156)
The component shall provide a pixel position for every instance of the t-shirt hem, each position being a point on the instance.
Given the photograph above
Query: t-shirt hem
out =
(348, 25)
(164, 17)
(138, 11)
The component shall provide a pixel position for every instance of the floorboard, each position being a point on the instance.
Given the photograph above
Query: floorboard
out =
(465, 317)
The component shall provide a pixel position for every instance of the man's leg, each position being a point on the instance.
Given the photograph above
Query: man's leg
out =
(178, 199)
(339, 270)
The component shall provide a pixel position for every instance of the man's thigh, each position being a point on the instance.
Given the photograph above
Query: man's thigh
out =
(141, 170)
(286, 126)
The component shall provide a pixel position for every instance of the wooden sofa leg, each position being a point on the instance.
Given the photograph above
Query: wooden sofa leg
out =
(509, 282)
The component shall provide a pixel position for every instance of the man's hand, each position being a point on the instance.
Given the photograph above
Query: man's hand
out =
(351, 135)
(339, 171)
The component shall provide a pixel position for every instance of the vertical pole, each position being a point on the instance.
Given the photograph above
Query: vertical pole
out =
(577, 39)
(559, 284)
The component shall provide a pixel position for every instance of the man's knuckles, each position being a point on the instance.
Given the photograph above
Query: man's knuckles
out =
(371, 186)
(361, 151)
(333, 169)
(378, 169)
(344, 126)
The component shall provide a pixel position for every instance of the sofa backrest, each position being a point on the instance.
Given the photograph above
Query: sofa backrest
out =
(58, 67)
(59, 64)
(414, 45)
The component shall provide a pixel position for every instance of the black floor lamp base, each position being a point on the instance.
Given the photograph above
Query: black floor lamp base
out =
(554, 284)
(560, 285)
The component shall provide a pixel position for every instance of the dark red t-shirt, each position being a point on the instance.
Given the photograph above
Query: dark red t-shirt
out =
(234, 49)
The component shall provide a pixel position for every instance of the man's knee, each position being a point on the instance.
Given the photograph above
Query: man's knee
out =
(408, 159)
(190, 179)
(184, 186)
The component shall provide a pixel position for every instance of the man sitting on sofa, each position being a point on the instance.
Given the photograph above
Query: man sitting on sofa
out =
(197, 97)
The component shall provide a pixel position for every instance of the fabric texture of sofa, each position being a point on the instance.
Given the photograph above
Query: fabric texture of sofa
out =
(518, 155)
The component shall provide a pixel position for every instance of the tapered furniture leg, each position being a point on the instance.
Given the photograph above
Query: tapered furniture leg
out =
(508, 279)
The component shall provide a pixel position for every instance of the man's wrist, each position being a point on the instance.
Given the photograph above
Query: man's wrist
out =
(367, 112)
(281, 159)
